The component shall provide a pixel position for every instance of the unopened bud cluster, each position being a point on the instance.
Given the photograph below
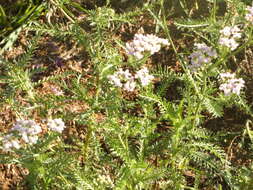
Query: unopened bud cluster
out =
(27, 131)
(231, 84)
(203, 54)
(228, 37)
(145, 43)
(127, 81)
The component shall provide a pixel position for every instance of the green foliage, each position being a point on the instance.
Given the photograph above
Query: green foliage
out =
(213, 107)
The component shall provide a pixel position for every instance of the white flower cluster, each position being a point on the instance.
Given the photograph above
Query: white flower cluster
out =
(27, 131)
(10, 141)
(231, 85)
(56, 125)
(125, 80)
(203, 54)
(145, 43)
(249, 15)
(144, 76)
(229, 35)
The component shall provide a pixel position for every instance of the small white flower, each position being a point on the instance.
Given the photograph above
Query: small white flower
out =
(32, 139)
(203, 54)
(229, 42)
(145, 43)
(9, 142)
(231, 85)
(126, 80)
(130, 86)
(229, 35)
(57, 91)
(226, 31)
(124, 74)
(249, 15)
(225, 76)
(29, 139)
(144, 76)
(123, 79)
(27, 126)
(115, 80)
(27, 130)
(56, 125)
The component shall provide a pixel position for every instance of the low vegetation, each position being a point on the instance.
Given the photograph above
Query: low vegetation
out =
(106, 94)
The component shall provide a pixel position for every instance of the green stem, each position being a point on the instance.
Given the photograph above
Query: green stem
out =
(86, 144)
(167, 32)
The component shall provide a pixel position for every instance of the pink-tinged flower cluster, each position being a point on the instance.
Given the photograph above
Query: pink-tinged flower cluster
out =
(145, 43)
(228, 37)
(56, 91)
(203, 54)
(26, 132)
(249, 15)
(127, 81)
(231, 85)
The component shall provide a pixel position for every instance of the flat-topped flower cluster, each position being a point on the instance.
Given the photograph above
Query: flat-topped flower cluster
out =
(229, 37)
(56, 125)
(231, 84)
(203, 54)
(127, 81)
(27, 131)
(145, 43)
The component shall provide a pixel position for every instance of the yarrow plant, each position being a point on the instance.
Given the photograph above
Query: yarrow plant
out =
(228, 37)
(145, 43)
(126, 80)
(231, 85)
(136, 123)
(203, 54)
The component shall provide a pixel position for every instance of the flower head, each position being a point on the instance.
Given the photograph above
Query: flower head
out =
(144, 76)
(203, 54)
(229, 35)
(123, 79)
(56, 125)
(127, 81)
(249, 15)
(130, 85)
(9, 142)
(145, 43)
(231, 85)
(27, 130)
